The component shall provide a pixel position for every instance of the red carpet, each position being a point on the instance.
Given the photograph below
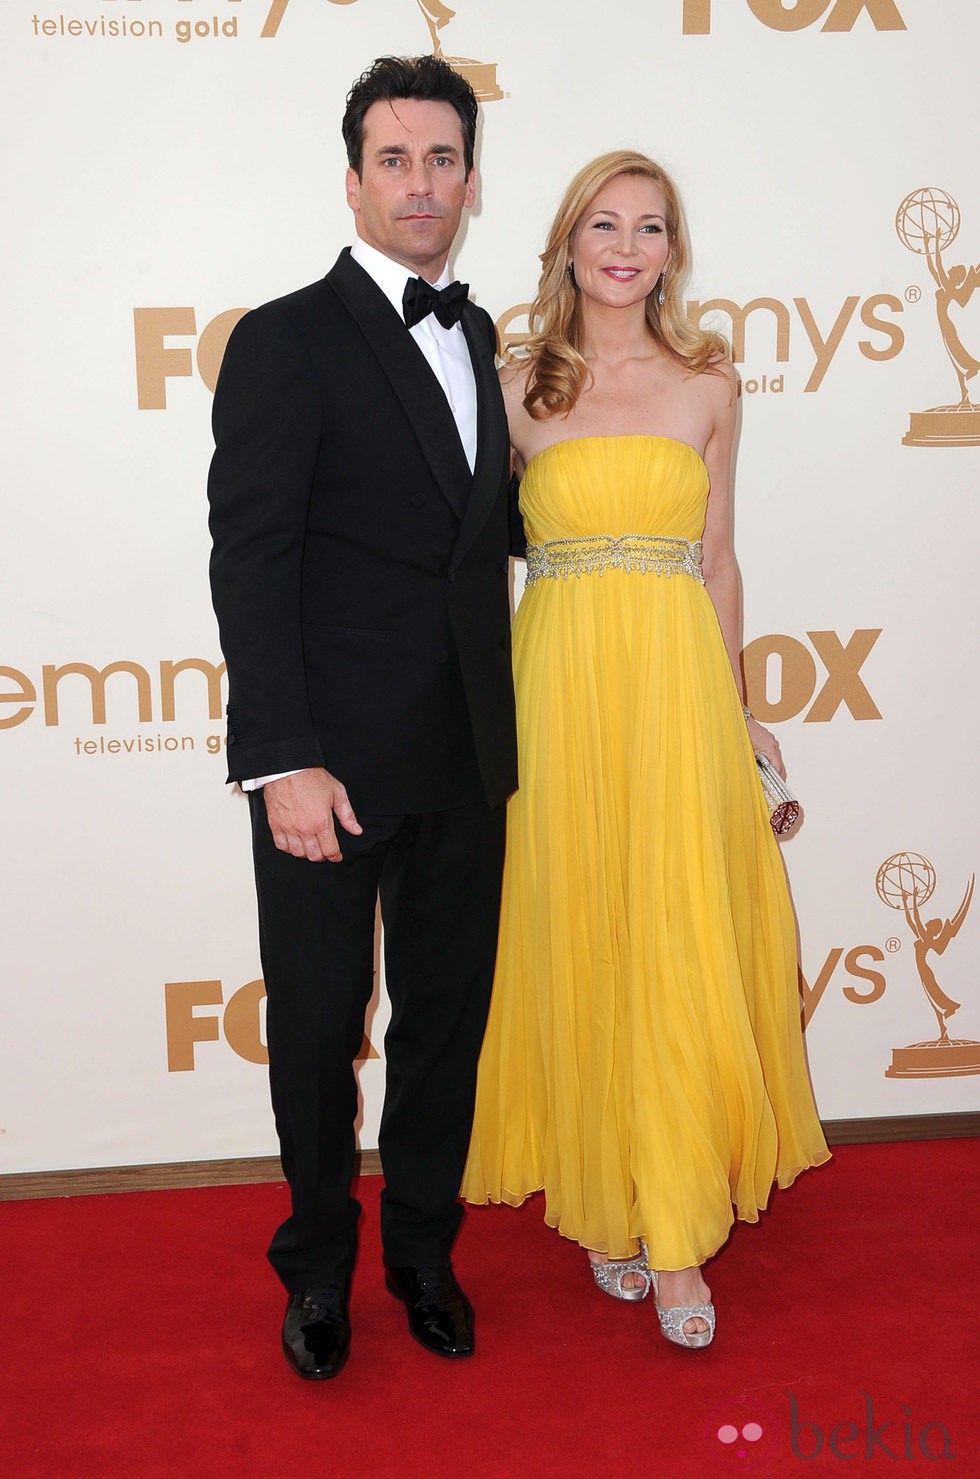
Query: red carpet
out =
(140, 1337)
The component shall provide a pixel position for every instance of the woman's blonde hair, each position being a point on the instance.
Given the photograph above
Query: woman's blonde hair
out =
(558, 373)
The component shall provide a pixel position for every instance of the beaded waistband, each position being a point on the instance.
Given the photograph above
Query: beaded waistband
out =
(596, 553)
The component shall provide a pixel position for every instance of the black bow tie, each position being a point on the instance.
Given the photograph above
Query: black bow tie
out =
(420, 298)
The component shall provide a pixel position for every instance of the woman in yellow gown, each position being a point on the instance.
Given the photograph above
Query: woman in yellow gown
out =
(643, 1062)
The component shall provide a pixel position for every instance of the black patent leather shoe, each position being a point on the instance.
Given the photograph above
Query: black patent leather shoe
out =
(440, 1317)
(316, 1332)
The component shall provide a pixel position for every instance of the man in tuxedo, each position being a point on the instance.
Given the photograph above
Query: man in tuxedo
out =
(362, 525)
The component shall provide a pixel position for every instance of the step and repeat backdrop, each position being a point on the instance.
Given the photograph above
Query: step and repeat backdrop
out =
(169, 164)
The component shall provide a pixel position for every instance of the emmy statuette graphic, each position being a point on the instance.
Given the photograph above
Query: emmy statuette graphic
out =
(927, 223)
(906, 881)
(482, 76)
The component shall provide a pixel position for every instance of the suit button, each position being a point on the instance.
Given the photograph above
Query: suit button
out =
(417, 500)
(442, 657)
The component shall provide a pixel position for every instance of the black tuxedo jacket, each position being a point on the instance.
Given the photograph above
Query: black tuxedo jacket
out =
(360, 570)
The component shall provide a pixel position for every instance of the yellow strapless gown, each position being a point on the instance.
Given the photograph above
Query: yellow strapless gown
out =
(643, 1061)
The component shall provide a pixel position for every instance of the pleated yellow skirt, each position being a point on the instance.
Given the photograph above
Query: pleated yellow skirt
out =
(643, 1062)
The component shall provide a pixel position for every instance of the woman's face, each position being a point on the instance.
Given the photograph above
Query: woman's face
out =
(620, 246)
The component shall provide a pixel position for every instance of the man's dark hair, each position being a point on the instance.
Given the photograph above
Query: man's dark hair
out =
(429, 79)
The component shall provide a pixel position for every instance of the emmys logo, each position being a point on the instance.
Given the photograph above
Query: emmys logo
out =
(277, 9)
(482, 76)
(907, 881)
(242, 1022)
(77, 694)
(779, 326)
(796, 15)
(928, 222)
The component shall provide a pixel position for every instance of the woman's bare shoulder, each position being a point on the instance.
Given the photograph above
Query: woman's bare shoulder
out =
(513, 375)
(723, 372)
(719, 385)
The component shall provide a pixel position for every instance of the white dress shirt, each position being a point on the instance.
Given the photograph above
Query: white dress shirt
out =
(448, 357)
(445, 350)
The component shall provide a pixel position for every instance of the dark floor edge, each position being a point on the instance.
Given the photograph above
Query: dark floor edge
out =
(107, 1179)
(158, 1177)
(902, 1127)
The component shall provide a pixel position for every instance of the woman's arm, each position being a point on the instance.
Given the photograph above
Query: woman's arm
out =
(720, 567)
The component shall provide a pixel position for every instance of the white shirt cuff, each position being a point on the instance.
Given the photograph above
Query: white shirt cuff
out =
(263, 780)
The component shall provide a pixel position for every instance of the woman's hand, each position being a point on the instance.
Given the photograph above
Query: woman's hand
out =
(764, 742)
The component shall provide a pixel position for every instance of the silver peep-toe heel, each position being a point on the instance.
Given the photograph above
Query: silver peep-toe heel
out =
(673, 1320)
(609, 1276)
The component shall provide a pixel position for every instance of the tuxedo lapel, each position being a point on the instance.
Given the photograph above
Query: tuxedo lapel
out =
(491, 436)
(410, 378)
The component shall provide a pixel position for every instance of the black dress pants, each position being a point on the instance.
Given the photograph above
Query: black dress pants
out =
(438, 877)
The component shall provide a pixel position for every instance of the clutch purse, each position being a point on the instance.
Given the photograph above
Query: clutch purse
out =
(784, 809)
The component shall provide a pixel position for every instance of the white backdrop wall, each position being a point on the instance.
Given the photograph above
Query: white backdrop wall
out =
(169, 163)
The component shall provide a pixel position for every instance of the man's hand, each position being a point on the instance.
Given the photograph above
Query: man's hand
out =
(301, 810)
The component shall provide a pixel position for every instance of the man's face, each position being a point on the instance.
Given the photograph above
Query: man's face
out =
(413, 186)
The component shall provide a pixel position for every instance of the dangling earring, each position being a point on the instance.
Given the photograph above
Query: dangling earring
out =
(661, 296)
(570, 274)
